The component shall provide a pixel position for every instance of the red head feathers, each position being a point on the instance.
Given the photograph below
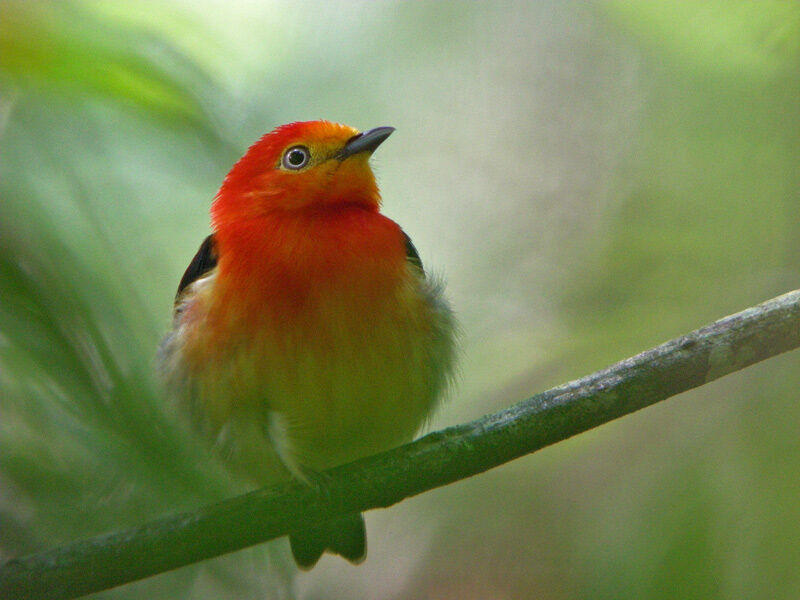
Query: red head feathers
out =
(301, 165)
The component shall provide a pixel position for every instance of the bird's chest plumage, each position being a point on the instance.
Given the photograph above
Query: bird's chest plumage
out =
(330, 351)
(347, 383)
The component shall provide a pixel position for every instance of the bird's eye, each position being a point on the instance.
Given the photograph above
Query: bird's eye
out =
(296, 157)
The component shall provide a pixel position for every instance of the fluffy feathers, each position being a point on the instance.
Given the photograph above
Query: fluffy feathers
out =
(314, 337)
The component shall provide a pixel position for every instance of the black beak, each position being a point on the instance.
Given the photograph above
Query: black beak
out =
(365, 142)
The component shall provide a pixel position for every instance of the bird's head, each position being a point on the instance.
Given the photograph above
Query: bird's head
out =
(298, 166)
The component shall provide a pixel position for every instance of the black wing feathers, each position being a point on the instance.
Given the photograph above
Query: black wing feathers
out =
(412, 255)
(202, 263)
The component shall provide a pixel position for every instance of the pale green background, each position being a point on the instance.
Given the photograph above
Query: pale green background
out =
(591, 179)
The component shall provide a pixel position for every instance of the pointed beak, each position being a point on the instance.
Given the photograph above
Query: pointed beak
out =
(365, 142)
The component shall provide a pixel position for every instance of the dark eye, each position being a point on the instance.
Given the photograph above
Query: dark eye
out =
(296, 158)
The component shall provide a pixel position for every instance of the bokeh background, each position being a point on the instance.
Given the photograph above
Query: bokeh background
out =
(592, 178)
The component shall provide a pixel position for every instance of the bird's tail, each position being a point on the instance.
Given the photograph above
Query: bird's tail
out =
(345, 536)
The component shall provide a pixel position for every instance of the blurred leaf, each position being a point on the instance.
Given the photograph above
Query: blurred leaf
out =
(81, 421)
(66, 47)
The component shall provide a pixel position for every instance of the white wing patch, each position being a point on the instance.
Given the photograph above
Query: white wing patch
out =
(278, 432)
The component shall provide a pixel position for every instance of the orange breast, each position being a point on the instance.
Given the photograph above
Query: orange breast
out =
(286, 266)
(323, 330)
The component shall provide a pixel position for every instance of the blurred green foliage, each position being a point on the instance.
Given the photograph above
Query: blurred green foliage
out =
(62, 46)
(592, 179)
(737, 38)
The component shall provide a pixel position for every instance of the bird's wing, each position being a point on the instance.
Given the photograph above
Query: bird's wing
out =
(202, 263)
(412, 256)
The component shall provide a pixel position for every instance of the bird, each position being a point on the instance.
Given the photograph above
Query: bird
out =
(306, 333)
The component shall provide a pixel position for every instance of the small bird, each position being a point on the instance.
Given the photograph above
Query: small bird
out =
(305, 332)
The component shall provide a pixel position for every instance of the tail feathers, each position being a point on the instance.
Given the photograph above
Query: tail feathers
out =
(345, 536)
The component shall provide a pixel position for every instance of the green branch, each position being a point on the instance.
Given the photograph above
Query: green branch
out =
(704, 355)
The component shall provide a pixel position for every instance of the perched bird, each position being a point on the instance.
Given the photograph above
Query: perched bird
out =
(306, 333)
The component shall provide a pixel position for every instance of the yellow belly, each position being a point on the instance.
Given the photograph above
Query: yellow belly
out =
(343, 383)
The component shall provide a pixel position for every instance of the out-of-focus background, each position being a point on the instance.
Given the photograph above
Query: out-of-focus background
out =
(592, 178)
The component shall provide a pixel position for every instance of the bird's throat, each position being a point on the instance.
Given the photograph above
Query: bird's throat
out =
(288, 267)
